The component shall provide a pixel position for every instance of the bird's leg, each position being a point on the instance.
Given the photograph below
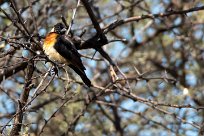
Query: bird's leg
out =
(46, 59)
(55, 69)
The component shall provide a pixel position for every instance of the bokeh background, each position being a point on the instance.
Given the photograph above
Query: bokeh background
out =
(155, 89)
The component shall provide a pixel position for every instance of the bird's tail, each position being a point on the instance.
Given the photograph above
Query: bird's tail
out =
(82, 74)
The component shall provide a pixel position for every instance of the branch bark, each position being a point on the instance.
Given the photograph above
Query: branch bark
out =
(7, 72)
(23, 100)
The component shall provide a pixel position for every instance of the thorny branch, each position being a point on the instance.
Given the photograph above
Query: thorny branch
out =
(172, 48)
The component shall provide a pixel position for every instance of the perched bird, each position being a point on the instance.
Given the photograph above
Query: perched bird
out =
(59, 48)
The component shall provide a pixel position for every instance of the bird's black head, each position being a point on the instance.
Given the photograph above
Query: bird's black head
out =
(59, 28)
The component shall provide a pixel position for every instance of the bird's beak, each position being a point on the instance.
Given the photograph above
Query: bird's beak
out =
(52, 30)
(63, 30)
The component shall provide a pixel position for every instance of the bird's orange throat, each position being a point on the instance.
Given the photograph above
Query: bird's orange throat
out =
(50, 40)
(48, 47)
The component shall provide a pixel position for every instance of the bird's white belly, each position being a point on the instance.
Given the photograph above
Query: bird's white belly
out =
(55, 56)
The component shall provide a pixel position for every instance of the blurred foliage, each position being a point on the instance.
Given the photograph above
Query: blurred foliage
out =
(158, 49)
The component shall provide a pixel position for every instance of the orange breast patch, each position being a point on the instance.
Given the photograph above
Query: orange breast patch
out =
(50, 51)
(50, 40)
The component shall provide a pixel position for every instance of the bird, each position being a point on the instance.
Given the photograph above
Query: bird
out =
(60, 48)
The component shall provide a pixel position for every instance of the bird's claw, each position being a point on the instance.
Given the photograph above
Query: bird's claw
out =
(55, 71)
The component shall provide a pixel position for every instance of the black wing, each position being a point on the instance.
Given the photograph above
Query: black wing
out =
(67, 49)
(81, 74)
